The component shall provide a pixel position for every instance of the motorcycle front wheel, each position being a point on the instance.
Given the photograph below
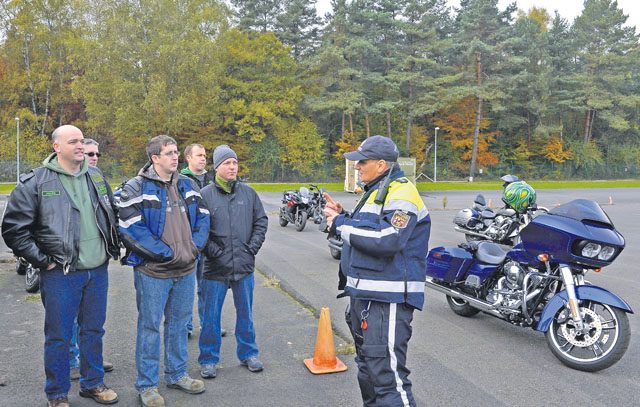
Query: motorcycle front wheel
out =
(32, 279)
(301, 220)
(335, 253)
(600, 347)
(281, 218)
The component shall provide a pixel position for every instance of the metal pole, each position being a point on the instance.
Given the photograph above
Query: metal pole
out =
(435, 157)
(17, 150)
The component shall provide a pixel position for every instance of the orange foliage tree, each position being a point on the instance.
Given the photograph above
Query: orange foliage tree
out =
(457, 123)
(556, 152)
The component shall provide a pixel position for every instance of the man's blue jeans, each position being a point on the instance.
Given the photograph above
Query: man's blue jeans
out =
(81, 293)
(155, 298)
(199, 269)
(214, 292)
(74, 352)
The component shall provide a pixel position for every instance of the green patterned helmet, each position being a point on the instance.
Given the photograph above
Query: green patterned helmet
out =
(519, 196)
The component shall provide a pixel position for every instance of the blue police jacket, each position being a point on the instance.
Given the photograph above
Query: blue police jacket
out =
(385, 246)
(142, 210)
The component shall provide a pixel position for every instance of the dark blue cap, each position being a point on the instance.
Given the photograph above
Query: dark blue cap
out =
(375, 148)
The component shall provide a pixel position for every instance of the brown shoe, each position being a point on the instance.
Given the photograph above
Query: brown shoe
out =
(59, 402)
(101, 394)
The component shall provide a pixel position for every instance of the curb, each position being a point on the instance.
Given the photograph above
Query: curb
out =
(341, 332)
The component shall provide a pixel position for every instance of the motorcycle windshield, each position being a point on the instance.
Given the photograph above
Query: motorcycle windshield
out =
(304, 192)
(581, 210)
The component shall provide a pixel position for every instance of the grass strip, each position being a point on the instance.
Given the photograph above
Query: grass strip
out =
(438, 186)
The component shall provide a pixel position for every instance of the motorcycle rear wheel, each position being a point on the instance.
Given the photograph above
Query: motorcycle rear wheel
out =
(283, 222)
(301, 220)
(461, 307)
(32, 279)
(600, 348)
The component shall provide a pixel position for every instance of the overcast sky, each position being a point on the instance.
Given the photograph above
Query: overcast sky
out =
(568, 9)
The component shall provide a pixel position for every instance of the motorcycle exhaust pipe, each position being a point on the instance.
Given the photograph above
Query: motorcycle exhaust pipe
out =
(474, 302)
(469, 232)
(335, 246)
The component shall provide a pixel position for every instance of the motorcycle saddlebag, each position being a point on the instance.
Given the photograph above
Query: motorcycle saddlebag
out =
(448, 264)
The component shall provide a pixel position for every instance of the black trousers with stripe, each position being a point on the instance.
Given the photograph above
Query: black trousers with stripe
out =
(382, 352)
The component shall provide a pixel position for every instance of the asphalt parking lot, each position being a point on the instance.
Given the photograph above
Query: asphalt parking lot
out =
(455, 361)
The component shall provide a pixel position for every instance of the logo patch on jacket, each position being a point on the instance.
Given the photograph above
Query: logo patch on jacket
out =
(102, 188)
(47, 194)
(400, 219)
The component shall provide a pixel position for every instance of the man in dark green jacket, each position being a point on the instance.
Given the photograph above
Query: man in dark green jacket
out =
(196, 156)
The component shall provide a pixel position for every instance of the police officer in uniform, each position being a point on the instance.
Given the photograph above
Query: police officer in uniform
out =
(382, 270)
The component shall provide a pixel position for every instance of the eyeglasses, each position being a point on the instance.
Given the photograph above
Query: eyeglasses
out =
(171, 153)
(91, 154)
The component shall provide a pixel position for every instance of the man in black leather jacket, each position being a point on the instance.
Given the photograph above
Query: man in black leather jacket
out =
(237, 231)
(61, 219)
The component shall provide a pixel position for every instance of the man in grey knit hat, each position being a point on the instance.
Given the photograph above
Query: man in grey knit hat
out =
(237, 231)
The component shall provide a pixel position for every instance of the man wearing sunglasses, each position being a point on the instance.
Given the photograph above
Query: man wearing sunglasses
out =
(165, 224)
(91, 151)
(91, 154)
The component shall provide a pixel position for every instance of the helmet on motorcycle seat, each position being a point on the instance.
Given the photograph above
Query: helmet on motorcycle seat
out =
(508, 179)
(519, 196)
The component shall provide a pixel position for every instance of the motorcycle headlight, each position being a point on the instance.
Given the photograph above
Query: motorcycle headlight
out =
(606, 253)
(591, 250)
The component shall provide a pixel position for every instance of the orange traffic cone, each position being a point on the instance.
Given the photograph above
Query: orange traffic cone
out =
(324, 358)
(490, 204)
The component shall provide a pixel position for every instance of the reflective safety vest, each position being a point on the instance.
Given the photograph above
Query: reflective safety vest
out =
(385, 246)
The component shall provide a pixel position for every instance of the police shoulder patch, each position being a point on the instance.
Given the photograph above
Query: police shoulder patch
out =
(400, 219)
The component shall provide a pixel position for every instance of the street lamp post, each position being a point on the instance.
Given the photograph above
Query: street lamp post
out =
(17, 150)
(435, 157)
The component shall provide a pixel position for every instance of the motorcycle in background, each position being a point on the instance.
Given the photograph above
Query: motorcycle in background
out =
(503, 225)
(480, 222)
(307, 203)
(317, 204)
(540, 283)
(296, 208)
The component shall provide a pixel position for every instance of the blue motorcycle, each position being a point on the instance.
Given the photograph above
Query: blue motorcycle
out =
(540, 283)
